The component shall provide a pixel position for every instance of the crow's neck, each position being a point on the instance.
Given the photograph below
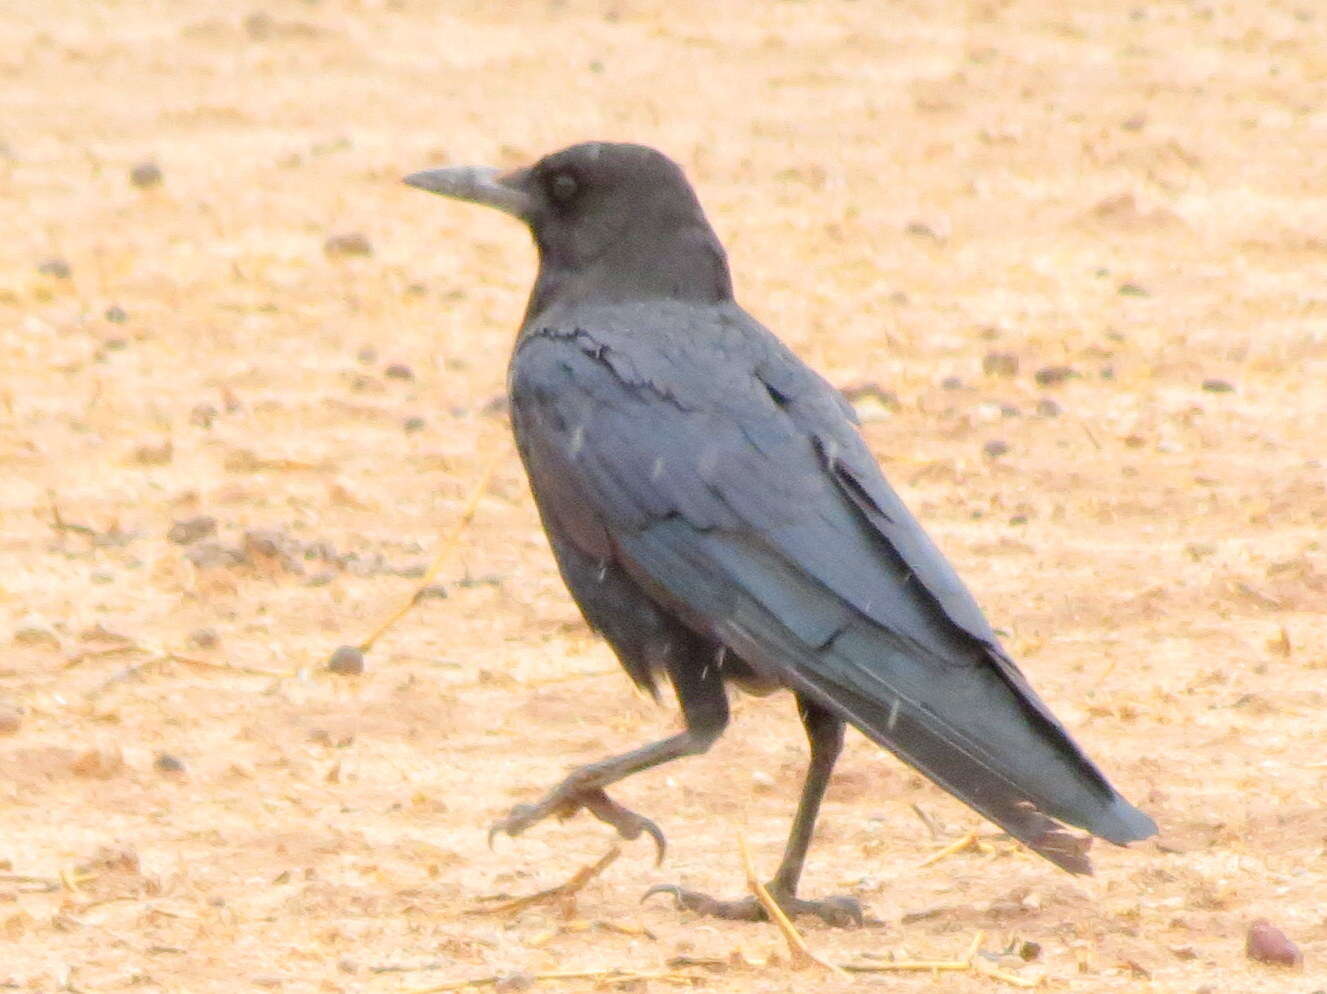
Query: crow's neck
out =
(690, 266)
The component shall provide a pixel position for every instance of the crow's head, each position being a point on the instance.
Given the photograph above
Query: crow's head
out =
(611, 221)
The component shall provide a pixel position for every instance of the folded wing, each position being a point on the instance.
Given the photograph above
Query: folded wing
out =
(748, 505)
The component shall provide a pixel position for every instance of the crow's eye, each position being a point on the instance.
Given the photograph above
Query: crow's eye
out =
(564, 187)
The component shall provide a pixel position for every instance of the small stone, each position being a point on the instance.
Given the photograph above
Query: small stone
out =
(145, 175)
(433, 592)
(995, 448)
(1268, 944)
(871, 395)
(399, 371)
(115, 314)
(1050, 375)
(1132, 290)
(11, 719)
(367, 355)
(352, 243)
(920, 229)
(56, 268)
(262, 543)
(495, 407)
(190, 530)
(209, 555)
(259, 25)
(951, 383)
(166, 763)
(96, 764)
(1047, 408)
(116, 344)
(35, 635)
(413, 425)
(348, 660)
(203, 638)
(1218, 386)
(509, 983)
(202, 415)
(1000, 364)
(154, 454)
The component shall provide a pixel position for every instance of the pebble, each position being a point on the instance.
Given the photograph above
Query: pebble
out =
(1049, 375)
(210, 554)
(166, 763)
(190, 530)
(202, 415)
(1000, 364)
(145, 175)
(36, 635)
(352, 243)
(154, 454)
(11, 719)
(57, 268)
(1268, 944)
(348, 660)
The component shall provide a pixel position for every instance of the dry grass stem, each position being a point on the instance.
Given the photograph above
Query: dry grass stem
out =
(561, 894)
(798, 949)
(445, 548)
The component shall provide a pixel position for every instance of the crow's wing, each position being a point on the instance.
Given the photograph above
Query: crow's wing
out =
(727, 479)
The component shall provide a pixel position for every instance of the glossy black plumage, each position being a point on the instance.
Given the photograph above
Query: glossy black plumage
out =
(711, 504)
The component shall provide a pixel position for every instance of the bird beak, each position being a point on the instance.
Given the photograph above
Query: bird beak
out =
(479, 185)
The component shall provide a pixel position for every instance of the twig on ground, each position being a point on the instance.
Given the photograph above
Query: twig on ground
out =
(928, 821)
(801, 953)
(158, 655)
(967, 841)
(445, 549)
(562, 893)
(970, 961)
(610, 975)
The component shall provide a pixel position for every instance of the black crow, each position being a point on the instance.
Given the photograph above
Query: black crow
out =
(717, 517)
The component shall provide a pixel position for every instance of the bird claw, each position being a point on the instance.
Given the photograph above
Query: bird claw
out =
(840, 912)
(746, 910)
(565, 803)
(521, 817)
(629, 825)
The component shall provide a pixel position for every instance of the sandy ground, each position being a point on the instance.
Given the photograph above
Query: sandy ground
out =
(1080, 251)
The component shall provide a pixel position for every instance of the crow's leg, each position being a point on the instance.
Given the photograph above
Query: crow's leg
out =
(695, 673)
(825, 732)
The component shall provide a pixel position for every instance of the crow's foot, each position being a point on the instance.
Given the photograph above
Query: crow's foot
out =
(838, 911)
(566, 799)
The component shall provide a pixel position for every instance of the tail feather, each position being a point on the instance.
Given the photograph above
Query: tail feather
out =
(957, 709)
(972, 732)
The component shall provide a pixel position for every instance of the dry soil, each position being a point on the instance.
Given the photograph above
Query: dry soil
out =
(1071, 259)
